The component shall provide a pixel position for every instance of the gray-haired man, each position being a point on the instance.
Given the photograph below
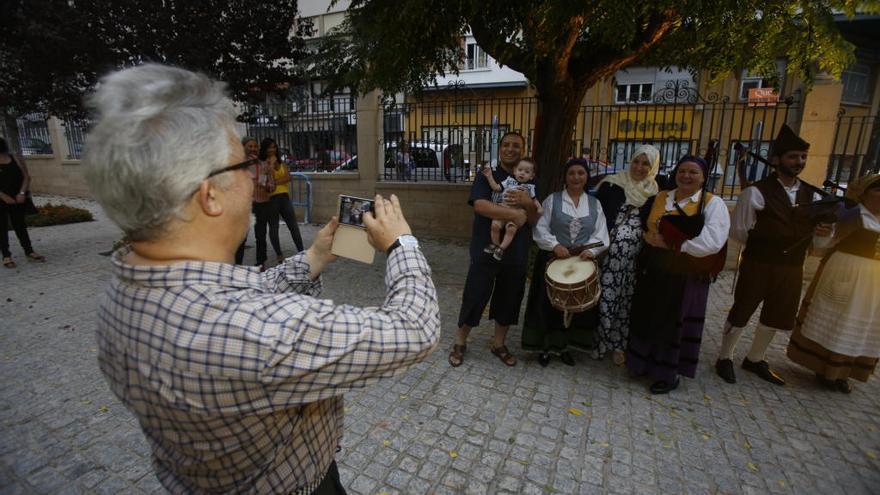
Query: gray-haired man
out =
(235, 376)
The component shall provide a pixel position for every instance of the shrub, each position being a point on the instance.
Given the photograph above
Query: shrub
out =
(50, 214)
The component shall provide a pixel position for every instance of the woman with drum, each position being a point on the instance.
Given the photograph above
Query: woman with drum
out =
(622, 196)
(685, 247)
(571, 221)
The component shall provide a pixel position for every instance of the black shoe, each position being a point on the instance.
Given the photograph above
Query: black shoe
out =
(566, 358)
(843, 385)
(661, 387)
(829, 384)
(544, 359)
(762, 369)
(724, 368)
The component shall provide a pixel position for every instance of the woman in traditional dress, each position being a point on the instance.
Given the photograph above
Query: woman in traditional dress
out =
(571, 219)
(622, 196)
(837, 334)
(685, 241)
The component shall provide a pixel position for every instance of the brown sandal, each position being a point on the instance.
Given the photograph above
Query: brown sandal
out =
(456, 355)
(36, 257)
(504, 355)
(8, 263)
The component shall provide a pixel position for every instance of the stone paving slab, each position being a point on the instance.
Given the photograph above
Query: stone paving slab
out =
(480, 428)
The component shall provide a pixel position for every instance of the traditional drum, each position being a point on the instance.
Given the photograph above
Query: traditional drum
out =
(572, 286)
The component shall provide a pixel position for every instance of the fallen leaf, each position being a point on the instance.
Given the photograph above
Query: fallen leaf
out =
(871, 454)
(406, 417)
(871, 428)
(453, 454)
(86, 402)
(386, 442)
(782, 483)
(104, 409)
(706, 397)
(575, 411)
(747, 445)
(604, 444)
(402, 397)
(346, 409)
(524, 463)
(752, 466)
(706, 436)
(667, 445)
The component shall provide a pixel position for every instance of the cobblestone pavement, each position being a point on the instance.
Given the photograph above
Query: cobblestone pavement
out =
(480, 428)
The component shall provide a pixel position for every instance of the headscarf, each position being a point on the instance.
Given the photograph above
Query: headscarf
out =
(637, 192)
(576, 161)
(855, 190)
(696, 159)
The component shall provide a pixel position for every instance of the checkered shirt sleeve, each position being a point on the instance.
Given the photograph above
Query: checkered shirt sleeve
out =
(236, 376)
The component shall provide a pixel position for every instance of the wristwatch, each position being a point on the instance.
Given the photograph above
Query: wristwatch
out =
(404, 240)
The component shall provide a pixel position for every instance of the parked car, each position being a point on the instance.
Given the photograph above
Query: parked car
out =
(349, 165)
(34, 146)
(323, 160)
(430, 159)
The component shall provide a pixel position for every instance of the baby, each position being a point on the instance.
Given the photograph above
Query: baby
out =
(523, 174)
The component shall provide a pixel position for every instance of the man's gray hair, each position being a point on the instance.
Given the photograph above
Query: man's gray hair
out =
(159, 132)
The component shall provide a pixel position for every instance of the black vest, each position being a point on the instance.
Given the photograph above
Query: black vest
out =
(782, 233)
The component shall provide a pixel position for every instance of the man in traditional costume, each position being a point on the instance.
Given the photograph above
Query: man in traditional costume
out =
(777, 227)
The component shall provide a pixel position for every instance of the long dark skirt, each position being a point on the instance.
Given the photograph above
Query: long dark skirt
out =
(668, 313)
(543, 329)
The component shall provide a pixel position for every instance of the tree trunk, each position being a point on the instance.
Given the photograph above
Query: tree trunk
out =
(558, 108)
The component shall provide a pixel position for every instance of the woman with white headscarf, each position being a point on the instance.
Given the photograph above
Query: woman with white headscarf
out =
(622, 196)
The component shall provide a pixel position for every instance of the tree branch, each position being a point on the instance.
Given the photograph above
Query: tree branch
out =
(501, 50)
(600, 61)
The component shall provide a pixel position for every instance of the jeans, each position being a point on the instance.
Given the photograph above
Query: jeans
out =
(283, 208)
(15, 213)
(263, 213)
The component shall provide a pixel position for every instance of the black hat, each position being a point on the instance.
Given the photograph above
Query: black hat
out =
(787, 141)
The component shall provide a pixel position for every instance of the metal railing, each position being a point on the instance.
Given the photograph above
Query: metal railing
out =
(315, 135)
(856, 149)
(75, 131)
(450, 137)
(33, 134)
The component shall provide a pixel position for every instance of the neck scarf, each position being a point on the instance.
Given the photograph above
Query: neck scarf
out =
(637, 192)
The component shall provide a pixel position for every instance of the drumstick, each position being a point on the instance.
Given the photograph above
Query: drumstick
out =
(574, 251)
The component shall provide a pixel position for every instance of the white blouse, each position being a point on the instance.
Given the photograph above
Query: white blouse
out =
(715, 229)
(547, 241)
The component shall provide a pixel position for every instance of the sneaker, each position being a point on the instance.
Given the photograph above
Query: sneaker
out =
(489, 249)
(762, 369)
(498, 253)
(724, 369)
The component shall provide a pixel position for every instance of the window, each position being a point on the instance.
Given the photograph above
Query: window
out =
(475, 58)
(634, 93)
(856, 81)
(747, 84)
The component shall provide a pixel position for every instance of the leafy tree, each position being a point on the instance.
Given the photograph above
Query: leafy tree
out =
(565, 47)
(54, 51)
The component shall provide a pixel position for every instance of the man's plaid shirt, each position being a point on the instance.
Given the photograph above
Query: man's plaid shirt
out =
(237, 376)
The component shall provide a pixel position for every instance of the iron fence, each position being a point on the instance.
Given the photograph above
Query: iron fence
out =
(75, 131)
(856, 148)
(450, 137)
(313, 135)
(33, 134)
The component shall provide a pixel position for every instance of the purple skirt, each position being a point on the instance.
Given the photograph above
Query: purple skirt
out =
(664, 341)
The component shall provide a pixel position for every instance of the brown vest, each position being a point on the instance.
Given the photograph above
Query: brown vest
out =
(782, 232)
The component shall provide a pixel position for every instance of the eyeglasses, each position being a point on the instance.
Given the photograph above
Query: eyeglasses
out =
(237, 166)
